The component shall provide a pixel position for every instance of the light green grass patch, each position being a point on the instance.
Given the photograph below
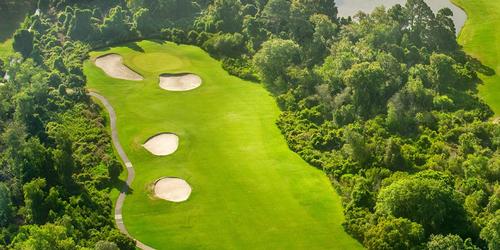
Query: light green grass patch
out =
(6, 49)
(249, 190)
(480, 38)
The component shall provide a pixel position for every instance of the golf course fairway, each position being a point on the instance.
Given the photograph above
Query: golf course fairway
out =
(480, 38)
(249, 190)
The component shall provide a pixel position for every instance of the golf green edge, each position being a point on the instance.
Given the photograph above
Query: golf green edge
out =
(480, 39)
(249, 190)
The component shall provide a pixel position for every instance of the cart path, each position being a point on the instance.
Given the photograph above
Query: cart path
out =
(130, 170)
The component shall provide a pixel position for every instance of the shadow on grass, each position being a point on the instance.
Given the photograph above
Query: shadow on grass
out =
(12, 14)
(481, 68)
(121, 185)
(134, 46)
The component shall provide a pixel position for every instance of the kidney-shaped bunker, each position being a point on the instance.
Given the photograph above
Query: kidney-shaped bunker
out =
(179, 82)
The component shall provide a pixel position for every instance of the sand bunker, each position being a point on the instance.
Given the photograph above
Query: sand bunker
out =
(172, 189)
(162, 144)
(112, 65)
(179, 82)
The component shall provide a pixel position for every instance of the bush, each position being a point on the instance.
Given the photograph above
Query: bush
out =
(226, 45)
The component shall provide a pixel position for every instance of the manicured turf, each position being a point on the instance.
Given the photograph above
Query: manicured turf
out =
(249, 190)
(481, 38)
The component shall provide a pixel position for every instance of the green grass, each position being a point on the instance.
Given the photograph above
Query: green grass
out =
(480, 38)
(6, 49)
(249, 190)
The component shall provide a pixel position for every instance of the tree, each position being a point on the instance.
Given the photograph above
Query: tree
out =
(273, 59)
(444, 75)
(23, 42)
(276, 15)
(116, 25)
(122, 241)
(222, 16)
(143, 22)
(5, 205)
(366, 81)
(325, 31)
(34, 199)
(62, 154)
(48, 236)
(105, 245)
(394, 233)
(232, 45)
(80, 26)
(491, 232)
(428, 201)
(448, 242)
(393, 159)
(311, 7)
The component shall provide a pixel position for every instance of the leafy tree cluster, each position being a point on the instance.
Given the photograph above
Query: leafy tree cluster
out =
(57, 164)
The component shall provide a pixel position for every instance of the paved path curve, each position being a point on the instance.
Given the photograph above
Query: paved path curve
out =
(128, 164)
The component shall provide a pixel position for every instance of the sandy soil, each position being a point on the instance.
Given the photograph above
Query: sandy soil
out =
(162, 144)
(179, 82)
(172, 189)
(112, 65)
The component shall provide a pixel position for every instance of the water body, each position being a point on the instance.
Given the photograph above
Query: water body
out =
(351, 7)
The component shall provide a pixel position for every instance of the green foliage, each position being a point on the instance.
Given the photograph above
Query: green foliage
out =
(48, 236)
(428, 201)
(221, 16)
(230, 45)
(116, 25)
(491, 232)
(5, 205)
(23, 42)
(394, 233)
(450, 241)
(273, 60)
(80, 25)
(106, 245)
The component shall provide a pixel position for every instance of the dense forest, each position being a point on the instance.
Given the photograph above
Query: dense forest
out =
(384, 103)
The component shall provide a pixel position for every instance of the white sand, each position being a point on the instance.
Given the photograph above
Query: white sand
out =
(182, 82)
(162, 144)
(112, 65)
(172, 189)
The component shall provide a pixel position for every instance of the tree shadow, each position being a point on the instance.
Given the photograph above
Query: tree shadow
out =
(121, 186)
(156, 40)
(134, 46)
(479, 67)
(12, 15)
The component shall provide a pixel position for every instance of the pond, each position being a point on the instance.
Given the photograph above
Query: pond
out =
(351, 7)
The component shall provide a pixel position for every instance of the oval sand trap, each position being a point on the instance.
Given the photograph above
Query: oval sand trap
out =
(179, 82)
(162, 144)
(172, 189)
(112, 65)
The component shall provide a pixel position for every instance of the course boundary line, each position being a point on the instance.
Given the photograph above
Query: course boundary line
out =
(130, 170)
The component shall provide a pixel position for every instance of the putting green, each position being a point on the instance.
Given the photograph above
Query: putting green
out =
(249, 191)
(480, 38)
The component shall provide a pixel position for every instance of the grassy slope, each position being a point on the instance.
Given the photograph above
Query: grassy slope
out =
(249, 190)
(481, 38)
